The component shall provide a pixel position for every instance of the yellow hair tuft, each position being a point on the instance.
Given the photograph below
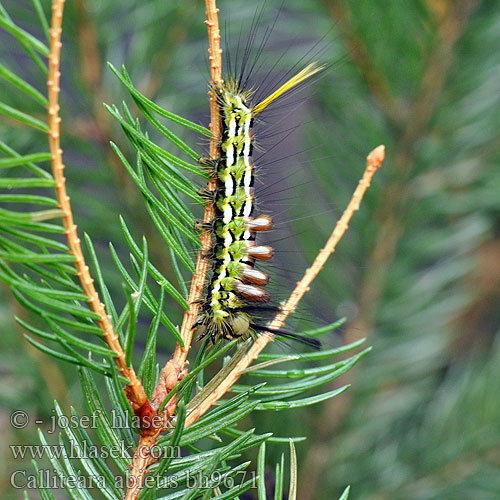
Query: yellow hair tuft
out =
(307, 72)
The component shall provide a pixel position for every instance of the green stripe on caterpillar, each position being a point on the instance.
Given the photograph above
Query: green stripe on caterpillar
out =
(235, 282)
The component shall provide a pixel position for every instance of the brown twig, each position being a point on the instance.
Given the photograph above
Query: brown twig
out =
(202, 262)
(215, 57)
(135, 391)
(374, 161)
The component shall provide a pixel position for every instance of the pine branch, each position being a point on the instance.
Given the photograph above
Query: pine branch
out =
(431, 311)
(59, 301)
(135, 391)
(375, 79)
(396, 192)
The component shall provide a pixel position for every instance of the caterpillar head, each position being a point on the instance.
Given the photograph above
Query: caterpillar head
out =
(240, 324)
(228, 327)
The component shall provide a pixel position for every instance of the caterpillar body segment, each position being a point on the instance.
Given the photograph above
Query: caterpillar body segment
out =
(235, 281)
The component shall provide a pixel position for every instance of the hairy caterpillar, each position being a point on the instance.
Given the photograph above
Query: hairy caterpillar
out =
(236, 284)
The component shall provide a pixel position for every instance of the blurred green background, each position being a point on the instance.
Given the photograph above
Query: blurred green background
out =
(418, 273)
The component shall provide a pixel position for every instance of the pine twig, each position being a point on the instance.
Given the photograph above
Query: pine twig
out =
(374, 162)
(179, 361)
(215, 57)
(135, 391)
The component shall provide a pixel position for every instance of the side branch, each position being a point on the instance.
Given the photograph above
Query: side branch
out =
(135, 391)
(374, 161)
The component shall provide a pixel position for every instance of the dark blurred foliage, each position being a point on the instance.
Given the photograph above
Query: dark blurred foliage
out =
(418, 273)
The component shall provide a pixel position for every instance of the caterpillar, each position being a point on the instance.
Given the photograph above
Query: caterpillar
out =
(236, 283)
